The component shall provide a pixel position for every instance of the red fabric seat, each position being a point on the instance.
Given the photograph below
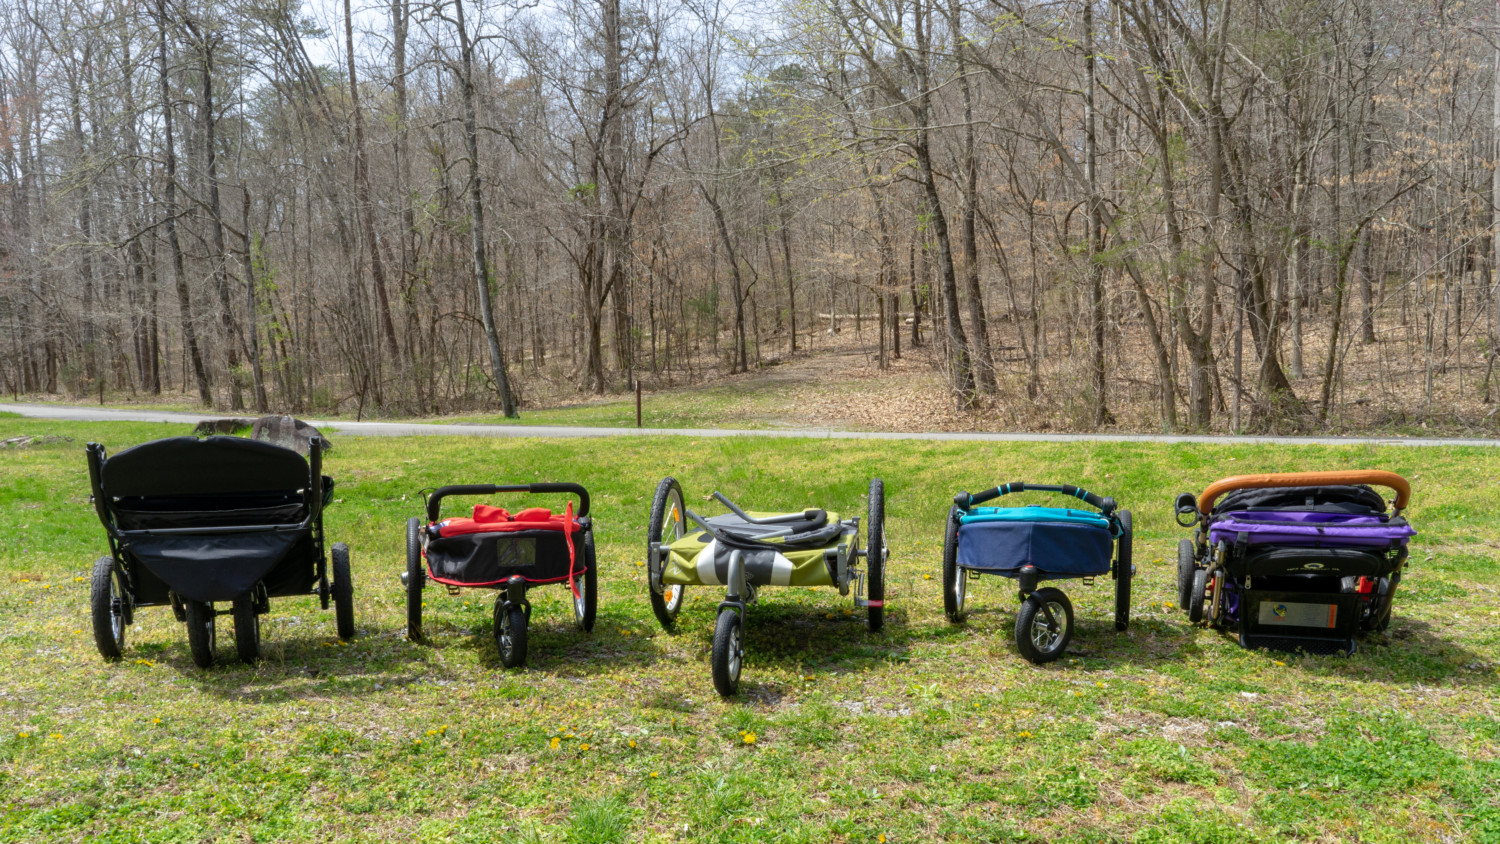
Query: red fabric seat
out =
(488, 519)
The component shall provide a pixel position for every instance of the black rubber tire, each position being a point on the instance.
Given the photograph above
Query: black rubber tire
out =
(1124, 571)
(1031, 614)
(875, 556)
(106, 605)
(1380, 615)
(416, 578)
(668, 491)
(343, 592)
(200, 630)
(1197, 596)
(955, 579)
(728, 652)
(510, 624)
(246, 628)
(1187, 563)
(589, 592)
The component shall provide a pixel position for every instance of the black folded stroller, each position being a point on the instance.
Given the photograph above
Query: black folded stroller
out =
(1300, 561)
(196, 522)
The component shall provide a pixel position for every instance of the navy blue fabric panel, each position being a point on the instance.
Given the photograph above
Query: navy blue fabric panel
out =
(1057, 549)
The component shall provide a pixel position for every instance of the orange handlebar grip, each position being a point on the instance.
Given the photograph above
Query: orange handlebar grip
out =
(1374, 477)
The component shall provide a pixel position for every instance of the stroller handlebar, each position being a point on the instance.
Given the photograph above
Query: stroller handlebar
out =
(434, 501)
(1374, 477)
(1104, 504)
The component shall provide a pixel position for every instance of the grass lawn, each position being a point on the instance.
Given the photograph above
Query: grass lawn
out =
(926, 732)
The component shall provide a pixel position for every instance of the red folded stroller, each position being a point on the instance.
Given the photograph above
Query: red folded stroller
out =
(509, 553)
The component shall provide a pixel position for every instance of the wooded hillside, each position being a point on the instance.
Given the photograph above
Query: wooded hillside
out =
(1223, 214)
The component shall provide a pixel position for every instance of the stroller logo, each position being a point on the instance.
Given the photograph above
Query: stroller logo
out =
(1280, 610)
(1313, 566)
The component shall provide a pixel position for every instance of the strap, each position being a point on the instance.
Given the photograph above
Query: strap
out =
(572, 557)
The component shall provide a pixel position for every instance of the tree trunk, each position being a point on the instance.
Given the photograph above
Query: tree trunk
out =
(476, 215)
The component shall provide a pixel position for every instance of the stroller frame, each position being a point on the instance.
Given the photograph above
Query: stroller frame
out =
(1294, 592)
(1044, 623)
(512, 610)
(828, 550)
(123, 581)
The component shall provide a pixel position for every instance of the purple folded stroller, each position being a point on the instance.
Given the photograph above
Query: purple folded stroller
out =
(1302, 561)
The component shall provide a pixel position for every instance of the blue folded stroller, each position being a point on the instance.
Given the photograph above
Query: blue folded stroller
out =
(1035, 544)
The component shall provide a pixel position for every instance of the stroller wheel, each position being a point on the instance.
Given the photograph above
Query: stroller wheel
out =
(586, 605)
(1197, 596)
(668, 524)
(107, 606)
(1186, 565)
(1044, 626)
(510, 633)
(1124, 571)
(246, 628)
(416, 578)
(343, 592)
(955, 579)
(875, 556)
(200, 630)
(728, 652)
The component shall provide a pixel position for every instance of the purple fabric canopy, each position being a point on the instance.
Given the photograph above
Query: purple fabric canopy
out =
(1308, 529)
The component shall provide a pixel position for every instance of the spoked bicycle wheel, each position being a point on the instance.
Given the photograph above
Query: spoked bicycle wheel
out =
(416, 578)
(586, 604)
(668, 524)
(1044, 626)
(1124, 572)
(955, 578)
(875, 556)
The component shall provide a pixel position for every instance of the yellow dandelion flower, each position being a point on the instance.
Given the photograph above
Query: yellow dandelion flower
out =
(432, 732)
(1099, 683)
(419, 741)
(54, 736)
(79, 579)
(654, 775)
(76, 632)
(880, 838)
(554, 743)
(924, 577)
(1280, 663)
(46, 586)
(1024, 734)
(808, 677)
(195, 764)
(583, 746)
(23, 735)
(748, 737)
(632, 742)
(156, 720)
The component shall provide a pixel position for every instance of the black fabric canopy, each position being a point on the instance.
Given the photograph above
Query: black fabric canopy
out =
(212, 466)
(1359, 499)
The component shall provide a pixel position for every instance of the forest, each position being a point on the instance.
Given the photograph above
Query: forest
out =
(1159, 215)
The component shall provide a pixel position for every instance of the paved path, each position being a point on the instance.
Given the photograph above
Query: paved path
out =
(419, 429)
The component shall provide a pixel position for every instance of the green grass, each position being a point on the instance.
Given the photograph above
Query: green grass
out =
(925, 732)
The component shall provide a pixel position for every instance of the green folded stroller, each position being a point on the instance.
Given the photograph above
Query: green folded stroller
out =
(743, 551)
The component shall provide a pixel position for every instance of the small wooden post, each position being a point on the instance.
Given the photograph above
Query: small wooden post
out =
(638, 402)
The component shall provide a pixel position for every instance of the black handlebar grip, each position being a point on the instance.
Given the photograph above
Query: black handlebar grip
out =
(434, 501)
(576, 489)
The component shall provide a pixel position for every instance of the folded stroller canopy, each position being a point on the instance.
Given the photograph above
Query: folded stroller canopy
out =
(1060, 543)
(185, 466)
